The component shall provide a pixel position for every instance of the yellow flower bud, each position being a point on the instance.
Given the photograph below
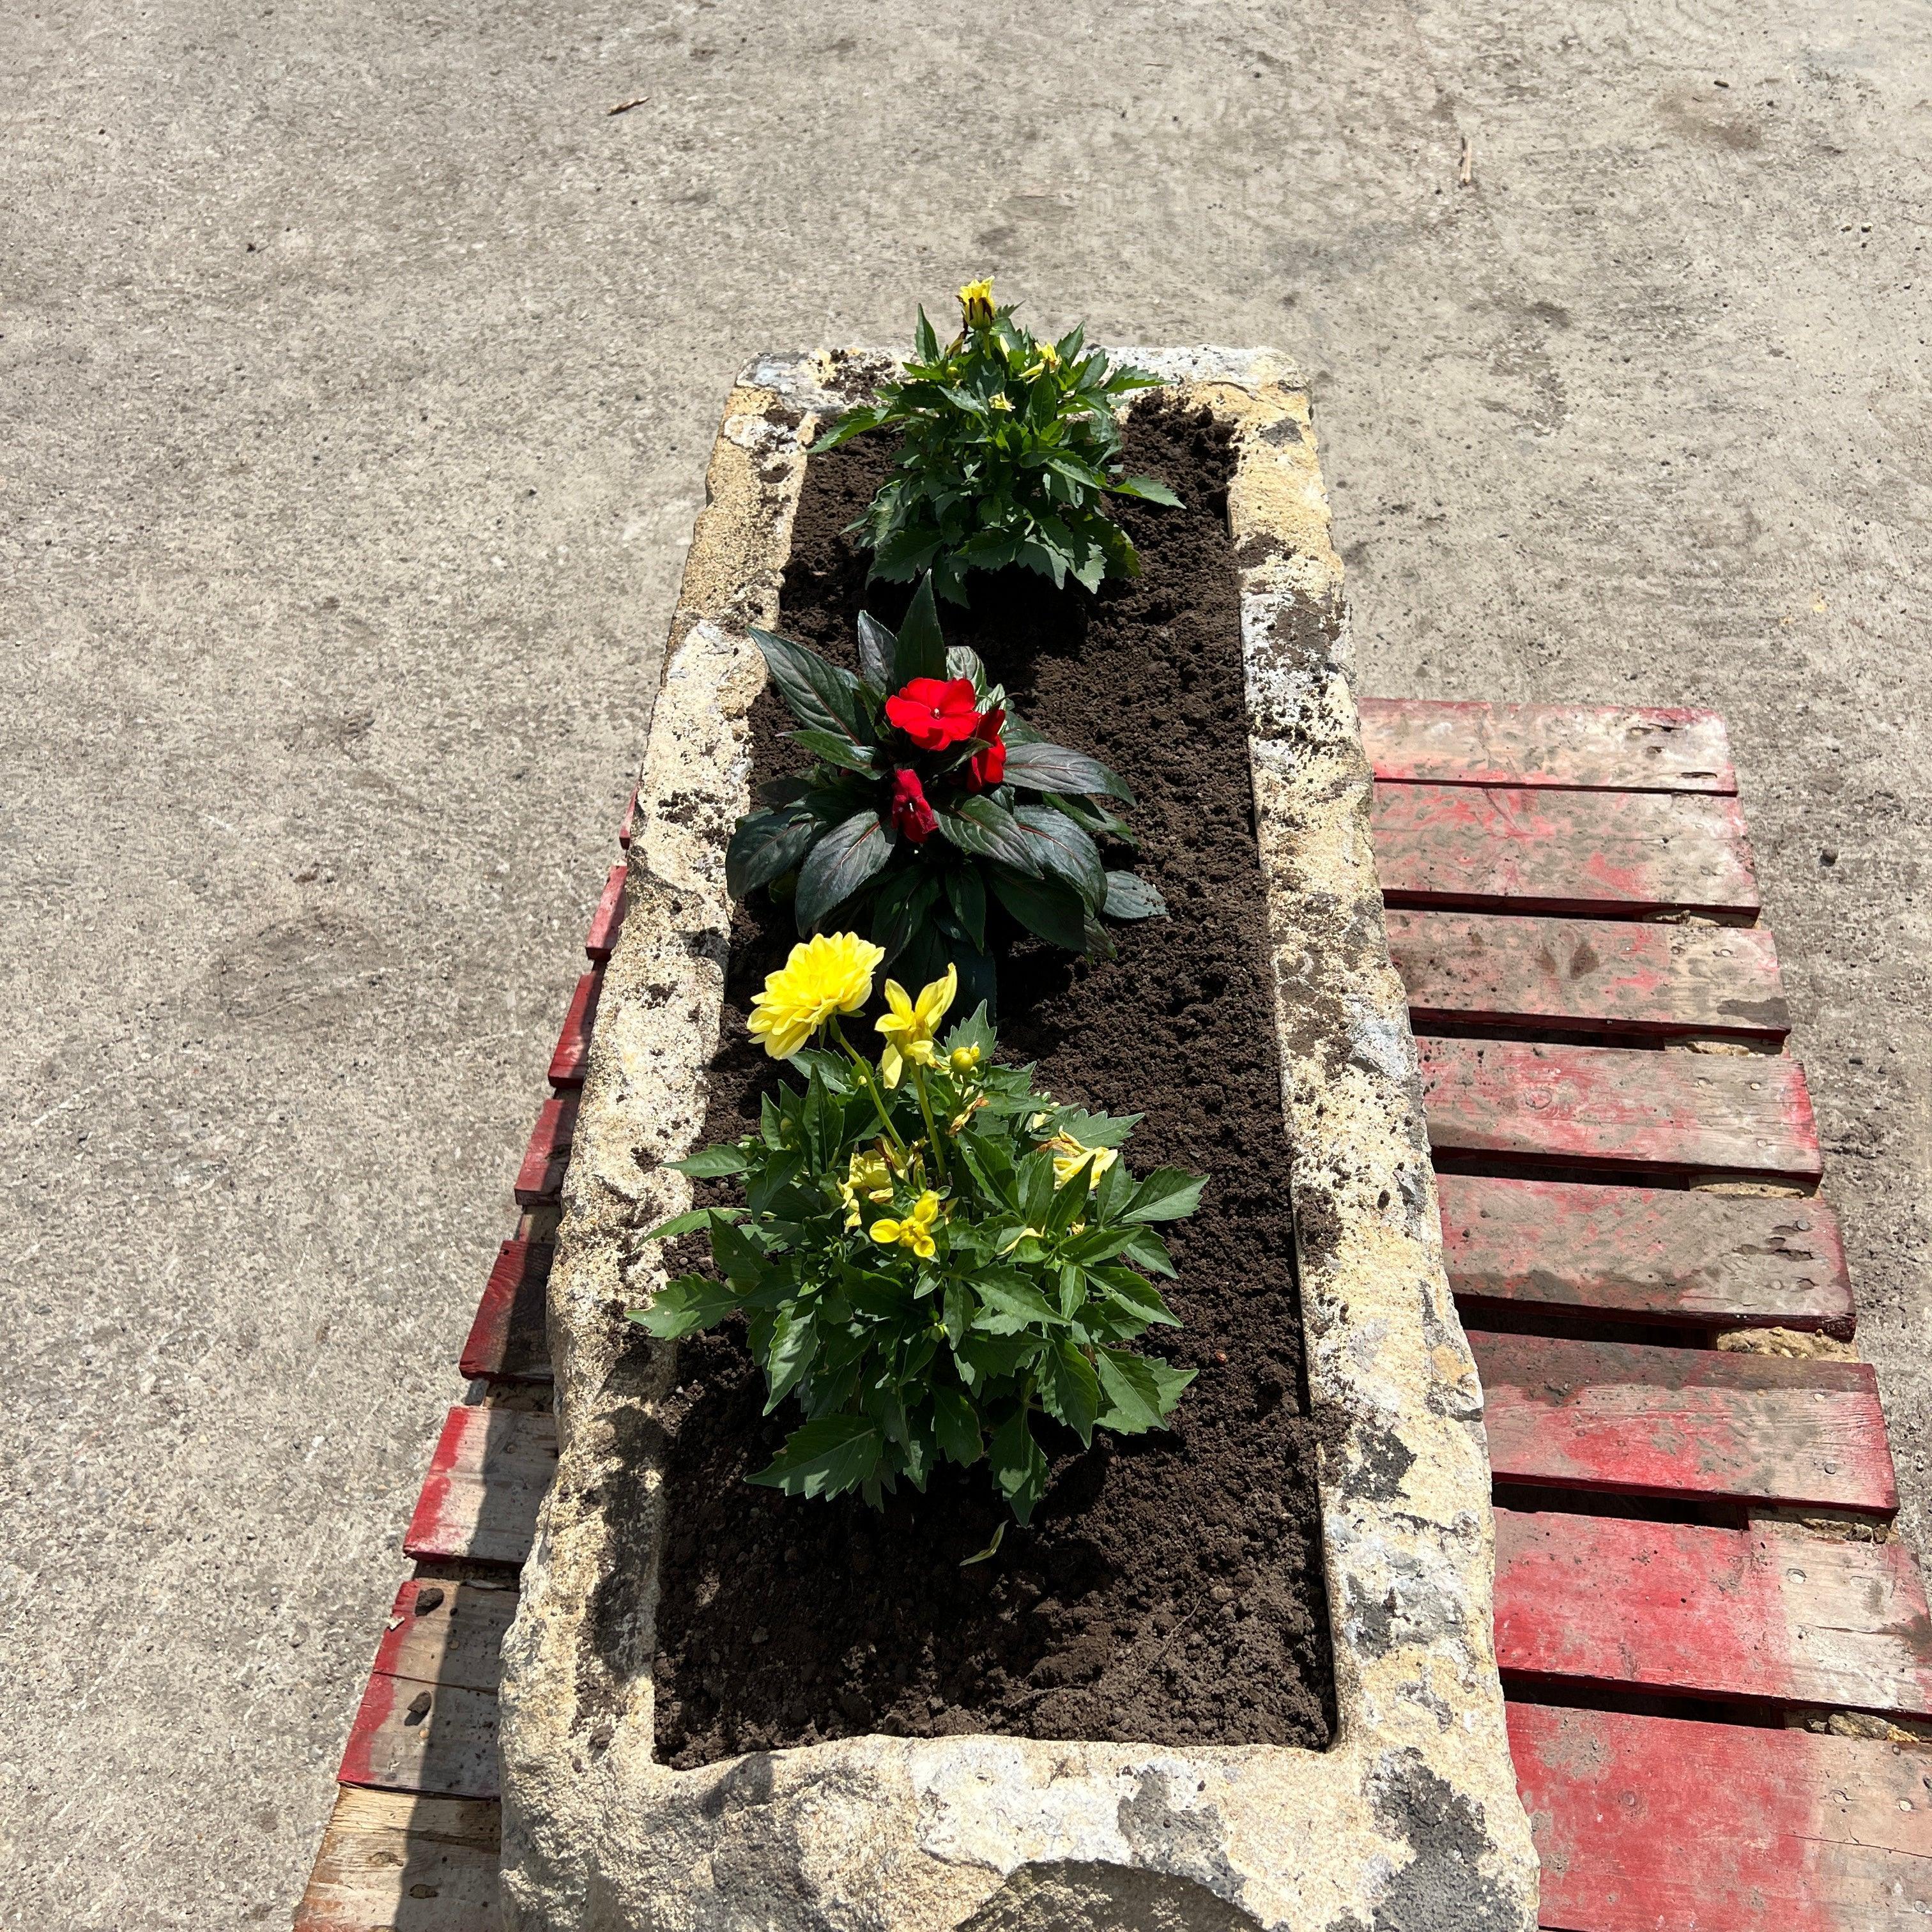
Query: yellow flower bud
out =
(975, 302)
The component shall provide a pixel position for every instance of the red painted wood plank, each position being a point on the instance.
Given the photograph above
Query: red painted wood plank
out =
(1656, 1825)
(392, 1861)
(507, 1339)
(606, 920)
(1773, 1612)
(572, 1056)
(428, 1720)
(1614, 748)
(540, 1177)
(486, 1481)
(1624, 1109)
(629, 827)
(1594, 976)
(1644, 1254)
(1620, 1419)
(1609, 855)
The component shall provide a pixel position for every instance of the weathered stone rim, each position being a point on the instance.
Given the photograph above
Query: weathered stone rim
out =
(1410, 1817)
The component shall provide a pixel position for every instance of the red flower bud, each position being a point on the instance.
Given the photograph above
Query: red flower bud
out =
(986, 768)
(935, 712)
(912, 816)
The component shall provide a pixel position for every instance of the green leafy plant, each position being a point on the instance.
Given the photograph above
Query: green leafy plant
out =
(927, 794)
(1010, 446)
(930, 1254)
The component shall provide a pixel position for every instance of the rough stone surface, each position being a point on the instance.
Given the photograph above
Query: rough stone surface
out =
(1411, 1820)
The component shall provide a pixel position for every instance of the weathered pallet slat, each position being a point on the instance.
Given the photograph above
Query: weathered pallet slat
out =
(606, 920)
(1620, 1419)
(572, 1056)
(540, 1177)
(485, 1483)
(1774, 1612)
(1609, 855)
(393, 1862)
(1656, 1825)
(1644, 1254)
(1589, 976)
(629, 824)
(428, 1720)
(1585, 747)
(507, 1339)
(1623, 1108)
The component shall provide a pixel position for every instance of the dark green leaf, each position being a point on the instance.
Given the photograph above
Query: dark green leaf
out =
(1136, 1292)
(837, 865)
(919, 650)
(837, 749)
(765, 844)
(823, 697)
(1053, 911)
(1063, 851)
(1130, 896)
(876, 646)
(1150, 1251)
(688, 1224)
(988, 830)
(966, 892)
(1041, 766)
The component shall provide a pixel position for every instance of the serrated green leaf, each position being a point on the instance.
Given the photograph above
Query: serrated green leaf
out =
(683, 1306)
(1069, 1390)
(955, 1425)
(793, 1343)
(1011, 1303)
(711, 1163)
(825, 1458)
(1019, 1464)
(1148, 489)
(1168, 1194)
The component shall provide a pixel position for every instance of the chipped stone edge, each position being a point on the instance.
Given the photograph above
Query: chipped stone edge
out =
(1411, 1816)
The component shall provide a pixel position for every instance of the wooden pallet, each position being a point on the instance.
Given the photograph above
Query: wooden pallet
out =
(1697, 1589)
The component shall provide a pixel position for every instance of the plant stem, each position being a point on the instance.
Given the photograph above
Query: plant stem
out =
(871, 1087)
(925, 1110)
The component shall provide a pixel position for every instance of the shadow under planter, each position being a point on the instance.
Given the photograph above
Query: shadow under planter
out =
(1409, 1817)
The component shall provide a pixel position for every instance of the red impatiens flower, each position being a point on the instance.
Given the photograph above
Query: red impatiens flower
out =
(911, 814)
(935, 712)
(985, 768)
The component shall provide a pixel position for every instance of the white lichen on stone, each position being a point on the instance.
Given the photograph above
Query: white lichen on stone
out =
(1410, 1821)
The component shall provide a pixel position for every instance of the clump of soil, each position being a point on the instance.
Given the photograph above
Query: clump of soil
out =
(1170, 1589)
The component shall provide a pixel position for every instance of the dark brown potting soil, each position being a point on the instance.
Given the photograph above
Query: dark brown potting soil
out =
(1170, 1588)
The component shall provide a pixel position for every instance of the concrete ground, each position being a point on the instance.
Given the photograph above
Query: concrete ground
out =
(357, 367)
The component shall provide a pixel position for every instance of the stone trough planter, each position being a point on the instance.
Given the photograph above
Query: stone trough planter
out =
(1410, 1819)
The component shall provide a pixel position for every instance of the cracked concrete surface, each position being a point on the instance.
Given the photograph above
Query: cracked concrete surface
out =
(357, 370)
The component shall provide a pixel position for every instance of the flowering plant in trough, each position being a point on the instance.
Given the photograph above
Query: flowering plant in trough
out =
(1010, 445)
(928, 792)
(930, 1254)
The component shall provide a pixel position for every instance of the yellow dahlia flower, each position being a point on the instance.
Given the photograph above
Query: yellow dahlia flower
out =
(915, 1231)
(867, 1178)
(910, 1024)
(1069, 1153)
(828, 974)
(975, 302)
